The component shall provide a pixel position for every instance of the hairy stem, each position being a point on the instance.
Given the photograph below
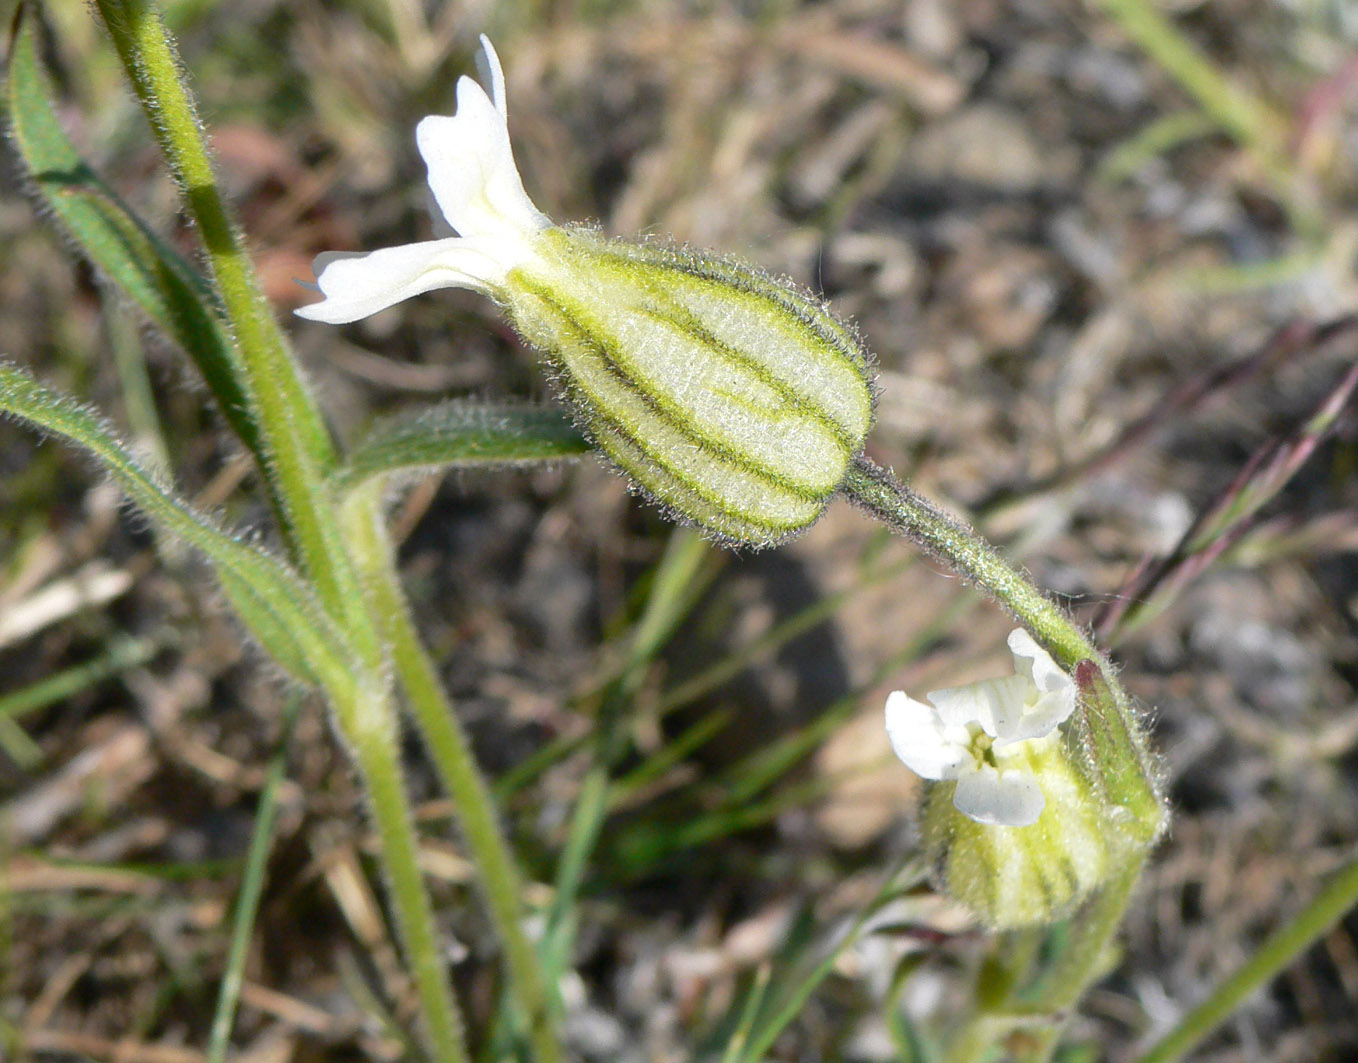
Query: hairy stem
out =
(450, 750)
(296, 448)
(369, 724)
(966, 553)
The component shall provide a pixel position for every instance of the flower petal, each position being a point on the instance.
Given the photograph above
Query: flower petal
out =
(1043, 716)
(1032, 660)
(928, 747)
(995, 704)
(1053, 697)
(488, 66)
(471, 164)
(1001, 799)
(357, 285)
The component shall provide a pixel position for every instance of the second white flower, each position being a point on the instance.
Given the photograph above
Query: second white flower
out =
(982, 736)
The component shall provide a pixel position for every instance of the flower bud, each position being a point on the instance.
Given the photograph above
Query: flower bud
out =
(733, 400)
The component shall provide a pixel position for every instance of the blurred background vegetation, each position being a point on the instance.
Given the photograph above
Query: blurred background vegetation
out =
(1104, 262)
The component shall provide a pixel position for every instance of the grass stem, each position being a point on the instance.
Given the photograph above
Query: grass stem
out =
(252, 888)
(1280, 950)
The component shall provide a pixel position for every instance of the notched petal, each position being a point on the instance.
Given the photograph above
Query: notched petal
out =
(992, 703)
(923, 742)
(492, 74)
(1000, 799)
(471, 162)
(1045, 715)
(1032, 660)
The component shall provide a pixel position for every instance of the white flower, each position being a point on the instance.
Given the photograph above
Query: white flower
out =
(478, 190)
(734, 400)
(983, 736)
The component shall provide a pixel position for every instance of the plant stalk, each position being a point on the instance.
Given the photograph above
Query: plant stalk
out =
(296, 452)
(297, 448)
(369, 724)
(451, 752)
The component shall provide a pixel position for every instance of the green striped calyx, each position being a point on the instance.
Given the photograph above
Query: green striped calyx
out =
(1024, 876)
(734, 400)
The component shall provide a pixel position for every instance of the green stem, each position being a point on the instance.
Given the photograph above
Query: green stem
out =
(368, 723)
(966, 553)
(1277, 953)
(451, 752)
(1040, 1012)
(1085, 953)
(984, 1034)
(297, 449)
(296, 453)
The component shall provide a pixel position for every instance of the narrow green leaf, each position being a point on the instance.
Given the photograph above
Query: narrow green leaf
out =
(121, 655)
(15, 744)
(461, 434)
(272, 600)
(749, 1011)
(270, 626)
(166, 288)
(251, 890)
(800, 977)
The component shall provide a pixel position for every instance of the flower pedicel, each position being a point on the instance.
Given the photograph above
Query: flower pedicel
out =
(734, 400)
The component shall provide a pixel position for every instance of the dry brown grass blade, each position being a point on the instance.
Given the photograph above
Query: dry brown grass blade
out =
(70, 1043)
(1226, 519)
